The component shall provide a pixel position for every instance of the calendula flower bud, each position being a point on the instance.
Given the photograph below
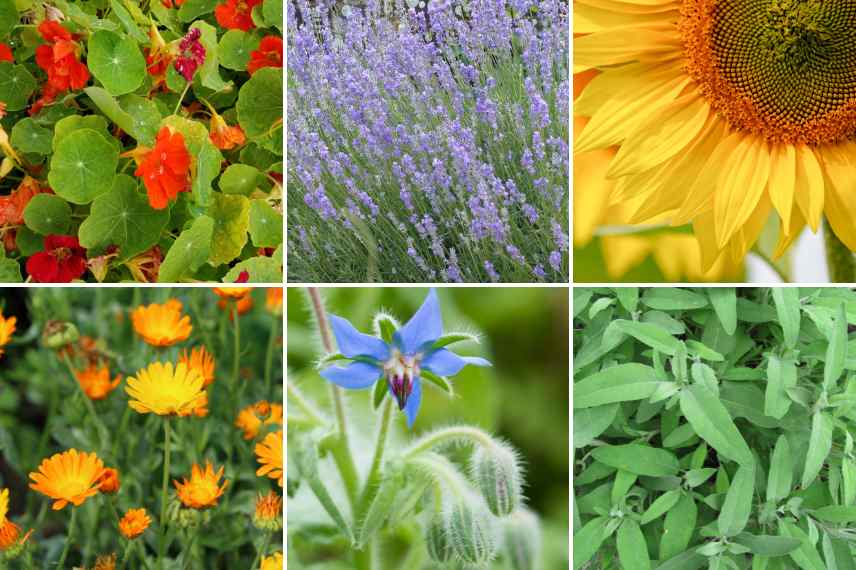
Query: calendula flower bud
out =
(522, 539)
(470, 531)
(496, 472)
(57, 334)
(188, 518)
(437, 541)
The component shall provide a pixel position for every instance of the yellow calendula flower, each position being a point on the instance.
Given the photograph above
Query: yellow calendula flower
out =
(7, 327)
(161, 325)
(273, 562)
(253, 417)
(203, 488)
(723, 113)
(200, 360)
(134, 523)
(233, 293)
(269, 456)
(68, 477)
(95, 381)
(166, 390)
(268, 515)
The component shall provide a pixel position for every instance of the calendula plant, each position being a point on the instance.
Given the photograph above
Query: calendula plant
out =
(142, 422)
(451, 497)
(714, 428)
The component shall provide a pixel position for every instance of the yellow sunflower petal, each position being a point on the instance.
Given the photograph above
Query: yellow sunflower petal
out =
(740, 186)
(783, 177)
(809, 190)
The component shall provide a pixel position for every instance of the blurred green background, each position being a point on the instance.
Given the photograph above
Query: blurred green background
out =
(522, 398)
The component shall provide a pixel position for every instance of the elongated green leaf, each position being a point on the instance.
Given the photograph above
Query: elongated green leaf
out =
(632, 550)
(623, 483)
(724, 301)
(781, 375)
(661, 506)
(806, 556)
(787, 300)
(622, 383)
(837, 553)
(836, 514)
(836, 351)
(628, 297)
(591, 422)
(673, 299)
(767, 545)
(848, 480)
(647, 334)
(781, 474)
(711, 422)
(638, 459)
(819, 444)
(738, 501)
(678, 527)
(588, 539)
(689, 560)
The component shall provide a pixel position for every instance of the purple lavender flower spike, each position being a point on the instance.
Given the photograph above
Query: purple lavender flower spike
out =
(402, 362)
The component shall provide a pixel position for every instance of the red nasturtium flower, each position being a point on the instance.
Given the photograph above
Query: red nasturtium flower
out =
(171, 3)
(62, 261)
(6, 53)
(59, 59)
(12, 209)
(269, 54)
(236, 14)
(165, 169)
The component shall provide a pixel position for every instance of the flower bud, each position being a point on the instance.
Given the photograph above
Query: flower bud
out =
(470, 531)
(109, 481)
(437, 541)
(57, 334)
(522, 539)
(496, 473)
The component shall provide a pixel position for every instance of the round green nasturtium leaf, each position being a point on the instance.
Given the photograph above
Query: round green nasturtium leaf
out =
(16, 86)
(28, 241)
(260, 102)
(195, 134)
(146, 117)
(116, 61)
(124, 218)
(29, 136)
(235, 47)
(239, 179)
(8, 17)
(192, 9)
(257, 156)
(10, 271)
(231, 215)
(83, 166)
(261, 270)
(48, 214)
(188, 252)
(68, 125)
(208, 163)
(272, 12)
(265, 224)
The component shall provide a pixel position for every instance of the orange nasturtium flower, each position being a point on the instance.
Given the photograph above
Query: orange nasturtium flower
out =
(223, 136)
(10, 533)
(200, 360)
(134, 523)
(161, 325)
(203, 489)
(269, 455)
(109, 481)
(7, 327)
(236, 14)
(68, 477)
(166, 390)
(253, 417)
(273, 562)
(165, 169)
(269, 54)
(232, 293)
(268, 514)
(95, 381)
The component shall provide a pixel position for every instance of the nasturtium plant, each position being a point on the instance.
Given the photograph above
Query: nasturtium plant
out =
(119, 121)
(713, 428)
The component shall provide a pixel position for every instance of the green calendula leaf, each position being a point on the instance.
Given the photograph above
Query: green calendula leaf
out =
(260, 103)
(240, 179)
(16, 86)
(123, 217)
(819, 445)
(712, 422)
(116, 61)
(738, 501)
(787, 300)
(622, 383)
(48, 214)
(83, 166)
(29, 136)
(189, 251)
(632, 549)
(231, 215)
(639, 459)
(265, 224)
(235, 48)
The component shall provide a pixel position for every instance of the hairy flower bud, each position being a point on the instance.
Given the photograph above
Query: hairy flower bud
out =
(437, 541)
(470, 531)
(496, 473)
(522, 539)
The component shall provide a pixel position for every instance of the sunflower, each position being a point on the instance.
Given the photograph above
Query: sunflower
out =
(161, 325)
(68, 477)
(253, 417)
(200, 360)
(10, 533)
(268, 515)
(203, 489)
(134, 523)
(269, 455)
(273, 562)
(163, 390)
(232, 293)
(722, 113)
(95, 381)
(7, 327)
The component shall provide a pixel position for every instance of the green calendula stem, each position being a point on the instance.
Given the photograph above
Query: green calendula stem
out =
(839, 258)
(126, 555)
(274, 330)
(90, 407)
(263, 550)
(69, 538)
(164, 488)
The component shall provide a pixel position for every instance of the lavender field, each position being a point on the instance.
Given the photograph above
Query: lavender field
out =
(428, 143)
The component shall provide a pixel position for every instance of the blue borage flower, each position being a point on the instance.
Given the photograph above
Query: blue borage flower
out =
(414, 350)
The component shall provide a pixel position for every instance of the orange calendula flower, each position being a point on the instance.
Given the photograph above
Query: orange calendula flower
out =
(223, 136)
(134, 523)
(243, 305)
(7, 327)
(166, 390)
(95, 381)
(269, 54)
(165, 169)
(161, 325)
(236, 14)
(253, 417)
(105, 562)
(273, 562)
(273, 301)
(109, 481)
(200, 360)
(232, 293)
(268, 515)
(68, 477)
(269, 456)
(203, 489)
(10, 533)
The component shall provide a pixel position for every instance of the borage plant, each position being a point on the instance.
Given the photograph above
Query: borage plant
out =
(714, 428)
(142, 140)
(449, 510)
(430, 144)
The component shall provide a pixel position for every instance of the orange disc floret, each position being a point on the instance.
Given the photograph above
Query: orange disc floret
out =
(269, 456)
(95, 381)
(200, 360)
(68, 477)
(161, 324)
(236, 14)
(109, 481)
(166, 390)
(165, 169)
(7, 327)
(134, 523)
(203, 488)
